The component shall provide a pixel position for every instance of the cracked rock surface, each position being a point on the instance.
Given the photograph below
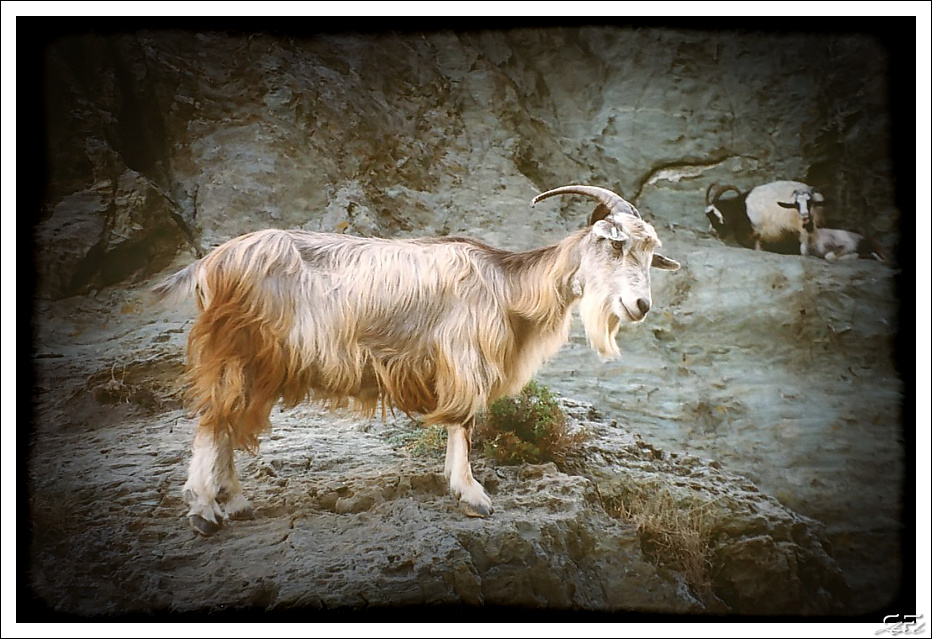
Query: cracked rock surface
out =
(346, 518)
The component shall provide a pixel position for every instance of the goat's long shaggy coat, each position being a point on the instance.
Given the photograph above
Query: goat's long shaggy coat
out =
(439, 327)
(292, 314)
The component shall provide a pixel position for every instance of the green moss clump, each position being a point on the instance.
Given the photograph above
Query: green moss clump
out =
(528, 428)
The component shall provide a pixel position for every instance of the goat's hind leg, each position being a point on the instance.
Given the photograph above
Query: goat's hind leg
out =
(237, 507)
(473, 499)
(211, 461)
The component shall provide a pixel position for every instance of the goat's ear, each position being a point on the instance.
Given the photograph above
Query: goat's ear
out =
(664, 263)
(787, 205)
(715, 219)
(608, 231)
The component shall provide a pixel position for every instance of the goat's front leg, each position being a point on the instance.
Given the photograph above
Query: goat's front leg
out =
(463, 486)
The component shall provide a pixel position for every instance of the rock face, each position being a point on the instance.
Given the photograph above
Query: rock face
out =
(163, 144)
(444, 132)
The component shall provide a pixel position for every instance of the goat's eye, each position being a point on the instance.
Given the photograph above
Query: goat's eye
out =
(618, 245)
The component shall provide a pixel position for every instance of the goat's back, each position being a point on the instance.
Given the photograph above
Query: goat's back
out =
(774, 222)
(421, 322)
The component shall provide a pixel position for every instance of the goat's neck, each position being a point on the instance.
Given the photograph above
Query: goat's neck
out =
(540, 281)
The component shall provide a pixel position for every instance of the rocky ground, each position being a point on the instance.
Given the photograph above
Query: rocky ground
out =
(759, 406)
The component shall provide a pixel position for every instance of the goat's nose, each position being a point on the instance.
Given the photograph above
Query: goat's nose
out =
(643, 305)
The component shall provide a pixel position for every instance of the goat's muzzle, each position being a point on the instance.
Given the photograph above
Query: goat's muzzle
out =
(637, 314)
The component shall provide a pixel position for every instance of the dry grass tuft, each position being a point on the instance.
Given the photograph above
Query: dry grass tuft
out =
(673, 533)
(118, 391)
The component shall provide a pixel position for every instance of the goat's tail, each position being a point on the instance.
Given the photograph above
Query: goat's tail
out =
(178, 287)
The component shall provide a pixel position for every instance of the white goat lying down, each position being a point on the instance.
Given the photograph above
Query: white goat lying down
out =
(836, 244)
(438, 326)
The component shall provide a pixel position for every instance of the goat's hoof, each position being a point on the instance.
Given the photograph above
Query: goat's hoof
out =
(238, 508)
(203, 526)
(476, 510)
(242, 514)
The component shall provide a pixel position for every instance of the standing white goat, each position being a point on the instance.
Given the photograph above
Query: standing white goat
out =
(767, 214)
(438, 326)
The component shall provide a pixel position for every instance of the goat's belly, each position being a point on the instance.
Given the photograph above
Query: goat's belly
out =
(409, 389)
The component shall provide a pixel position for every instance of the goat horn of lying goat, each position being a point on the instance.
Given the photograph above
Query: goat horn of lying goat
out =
(716, 191)
(609, 202)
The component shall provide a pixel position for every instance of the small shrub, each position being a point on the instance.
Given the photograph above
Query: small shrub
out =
(528, 428)
(421, 441)
(430, 441)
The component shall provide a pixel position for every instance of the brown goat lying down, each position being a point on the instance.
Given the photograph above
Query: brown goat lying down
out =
(439, 327)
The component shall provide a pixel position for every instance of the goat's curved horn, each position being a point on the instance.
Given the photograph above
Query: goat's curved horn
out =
(609, 202)
(708, 193)
(716, 191)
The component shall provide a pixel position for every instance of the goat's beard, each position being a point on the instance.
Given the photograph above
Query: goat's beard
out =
(601, 324)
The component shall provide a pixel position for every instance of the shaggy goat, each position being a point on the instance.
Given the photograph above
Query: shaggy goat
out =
(438, 326)
(767, 214)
